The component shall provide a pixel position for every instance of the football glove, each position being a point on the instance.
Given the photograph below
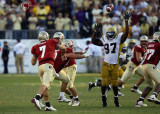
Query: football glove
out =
(85, 50)
(98, 27)
(87, 55)
(127, 16)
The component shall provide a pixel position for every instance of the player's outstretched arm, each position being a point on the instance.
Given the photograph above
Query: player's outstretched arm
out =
(125, 34)
(97, 30)
(82, 52)
(76, 56)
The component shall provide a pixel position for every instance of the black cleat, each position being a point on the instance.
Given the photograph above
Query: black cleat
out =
(116, 102)
(90, 86)
(104, 101)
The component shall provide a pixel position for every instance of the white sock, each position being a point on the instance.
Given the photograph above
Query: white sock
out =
(76, 96)
(61, 94)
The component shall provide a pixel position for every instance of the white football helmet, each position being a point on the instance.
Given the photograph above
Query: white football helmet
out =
(59, 35)
(43, 36)
(156, 36)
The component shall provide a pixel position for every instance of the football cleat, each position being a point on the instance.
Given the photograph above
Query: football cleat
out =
(153, 98)
(140, 104)
(120, 94)
(71, 102)
(41, 104)
(116, 102)
(136, 91)
(36, 103)
(50, 108)
(76, 103)
(104, 101)
(90, 86)
(63, 99)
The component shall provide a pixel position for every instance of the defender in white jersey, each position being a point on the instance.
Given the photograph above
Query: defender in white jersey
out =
(130, 49)
(112, 42)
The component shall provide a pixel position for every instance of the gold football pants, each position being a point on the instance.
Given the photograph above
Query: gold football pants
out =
(151, 74)
(109, 74)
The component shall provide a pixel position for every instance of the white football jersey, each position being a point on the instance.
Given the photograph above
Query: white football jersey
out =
(130, 53)
(112, 48)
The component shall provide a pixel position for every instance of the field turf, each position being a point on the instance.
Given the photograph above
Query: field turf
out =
(17, 90)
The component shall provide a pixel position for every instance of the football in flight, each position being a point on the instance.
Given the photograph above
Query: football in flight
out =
(110, 8)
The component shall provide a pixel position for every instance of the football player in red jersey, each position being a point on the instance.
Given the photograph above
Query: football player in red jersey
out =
(151, 73)
(70, 69)
(134, 64)
(45, 52)
(60, 62)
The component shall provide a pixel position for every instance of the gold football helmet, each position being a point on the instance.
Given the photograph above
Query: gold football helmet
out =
(156, 36)
(43, 36)
(132, 41)
(59, 35)
(144, 38)
(111, 33)
(124, 45)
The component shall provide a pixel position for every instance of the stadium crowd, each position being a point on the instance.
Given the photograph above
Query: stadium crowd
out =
(78, 16)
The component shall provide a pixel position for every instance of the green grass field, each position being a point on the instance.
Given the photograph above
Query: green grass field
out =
(16, 92)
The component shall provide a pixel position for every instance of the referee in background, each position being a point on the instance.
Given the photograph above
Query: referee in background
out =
(5, 53)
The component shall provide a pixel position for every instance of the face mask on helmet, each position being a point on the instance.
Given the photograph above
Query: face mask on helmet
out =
(111, 35)
(143, 43)
(124, 49)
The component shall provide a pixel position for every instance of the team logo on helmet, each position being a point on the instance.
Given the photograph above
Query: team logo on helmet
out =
(43, 36)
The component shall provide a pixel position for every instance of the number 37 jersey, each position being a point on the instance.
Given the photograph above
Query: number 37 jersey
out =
(153, 53)
(112, 49)
(45, 51)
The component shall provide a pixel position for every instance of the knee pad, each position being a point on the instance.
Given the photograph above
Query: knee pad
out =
(151, 84)
(66, 80)
(70, 85)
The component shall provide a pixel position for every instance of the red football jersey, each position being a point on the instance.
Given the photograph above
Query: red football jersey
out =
(140, 49)
(45, 51)
(60, 62)
(153, 53)
(71, 61)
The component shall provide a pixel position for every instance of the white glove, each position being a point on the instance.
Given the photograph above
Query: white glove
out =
(87, 55)
(55, 74)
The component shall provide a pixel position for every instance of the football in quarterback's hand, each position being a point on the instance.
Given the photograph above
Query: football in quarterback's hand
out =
(110, 8)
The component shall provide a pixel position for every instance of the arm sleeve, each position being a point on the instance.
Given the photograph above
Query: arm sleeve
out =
(54, 43)
(33, 51)
(69, 50)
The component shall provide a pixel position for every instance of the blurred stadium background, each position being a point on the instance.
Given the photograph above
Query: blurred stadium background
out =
(24, 19)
